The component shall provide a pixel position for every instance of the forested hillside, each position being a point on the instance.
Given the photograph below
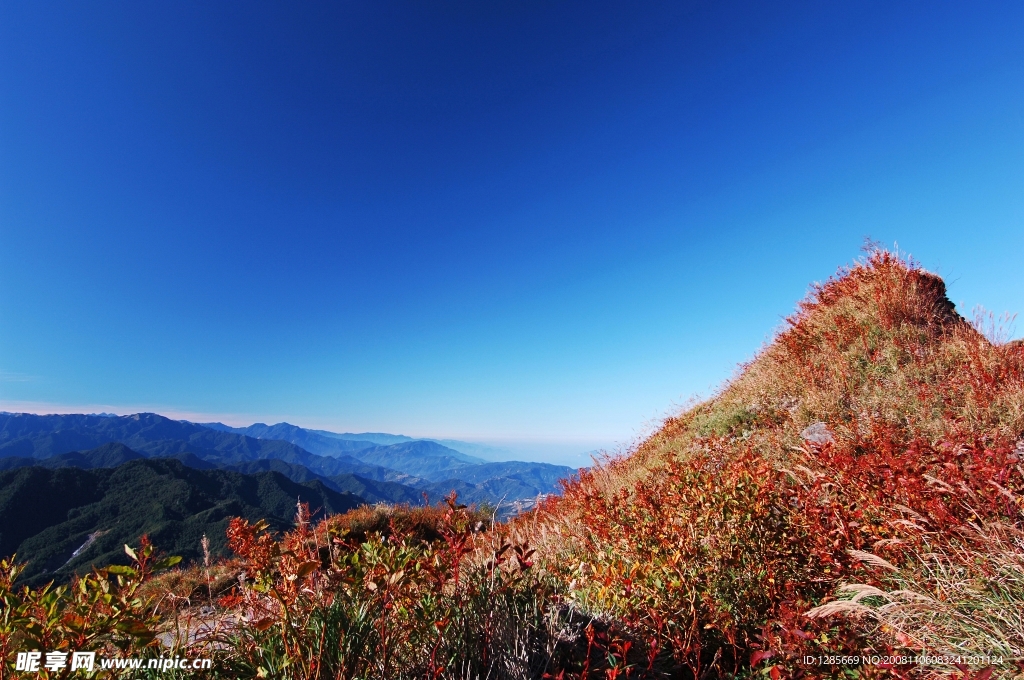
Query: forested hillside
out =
(61, 521)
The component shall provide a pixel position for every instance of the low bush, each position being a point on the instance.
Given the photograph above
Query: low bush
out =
(104, 611)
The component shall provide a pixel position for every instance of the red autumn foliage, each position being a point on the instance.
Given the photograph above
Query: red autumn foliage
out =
(717, 535)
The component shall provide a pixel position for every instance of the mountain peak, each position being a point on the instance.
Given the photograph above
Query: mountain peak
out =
(879, 345)
(884, 291)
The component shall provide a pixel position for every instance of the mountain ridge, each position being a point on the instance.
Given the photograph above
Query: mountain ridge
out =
(420, 465)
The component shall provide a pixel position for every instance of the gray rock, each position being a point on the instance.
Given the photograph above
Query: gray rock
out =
(817, 433)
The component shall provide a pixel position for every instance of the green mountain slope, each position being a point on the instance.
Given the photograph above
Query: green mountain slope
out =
(48, 515)
(108, 455)
(370, 490)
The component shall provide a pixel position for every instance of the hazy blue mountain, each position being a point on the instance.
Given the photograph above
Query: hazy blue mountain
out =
(502, 490)
(221, 427)
(542, 476)
(377, 491)
(33, 436)
(112, 455)
(482, 451)
(416, 465)
(48, 515)
(310, 440)
(486, 483)
(420, 458)
(419, 449)
(325, 443)
(378, 438)
(439, 462)
(374, 472)
(481, 482)
(293, 471)
(152, 435)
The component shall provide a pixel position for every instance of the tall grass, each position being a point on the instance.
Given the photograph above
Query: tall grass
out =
(962, 597)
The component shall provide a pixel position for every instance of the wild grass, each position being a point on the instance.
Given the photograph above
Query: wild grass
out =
(962, 597)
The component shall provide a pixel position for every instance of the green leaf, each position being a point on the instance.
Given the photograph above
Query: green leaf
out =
(167, 563)
(121, 570)
(131, 553)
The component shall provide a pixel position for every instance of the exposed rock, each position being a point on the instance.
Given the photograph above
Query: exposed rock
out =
(1018, 451)
(817, 433)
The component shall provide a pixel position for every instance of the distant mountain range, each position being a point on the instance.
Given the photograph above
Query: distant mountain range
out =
(422, 465)
(88, 470)
(67, 473)
(323, 442)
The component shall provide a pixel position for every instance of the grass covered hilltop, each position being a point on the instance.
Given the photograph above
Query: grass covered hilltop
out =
(856, 490)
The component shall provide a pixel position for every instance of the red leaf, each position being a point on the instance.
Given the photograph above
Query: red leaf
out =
(760, 655)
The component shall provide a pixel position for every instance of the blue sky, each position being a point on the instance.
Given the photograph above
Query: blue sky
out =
(539, 222)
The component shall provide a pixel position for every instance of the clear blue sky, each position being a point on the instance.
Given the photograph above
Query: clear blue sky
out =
(521, 220)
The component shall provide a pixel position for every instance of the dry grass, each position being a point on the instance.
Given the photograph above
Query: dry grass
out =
(962, 597)
(193, 586)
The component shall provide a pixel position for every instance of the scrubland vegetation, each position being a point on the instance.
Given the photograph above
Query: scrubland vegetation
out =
(855, 490)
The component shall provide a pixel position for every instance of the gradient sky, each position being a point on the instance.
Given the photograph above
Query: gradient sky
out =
(543, 221)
